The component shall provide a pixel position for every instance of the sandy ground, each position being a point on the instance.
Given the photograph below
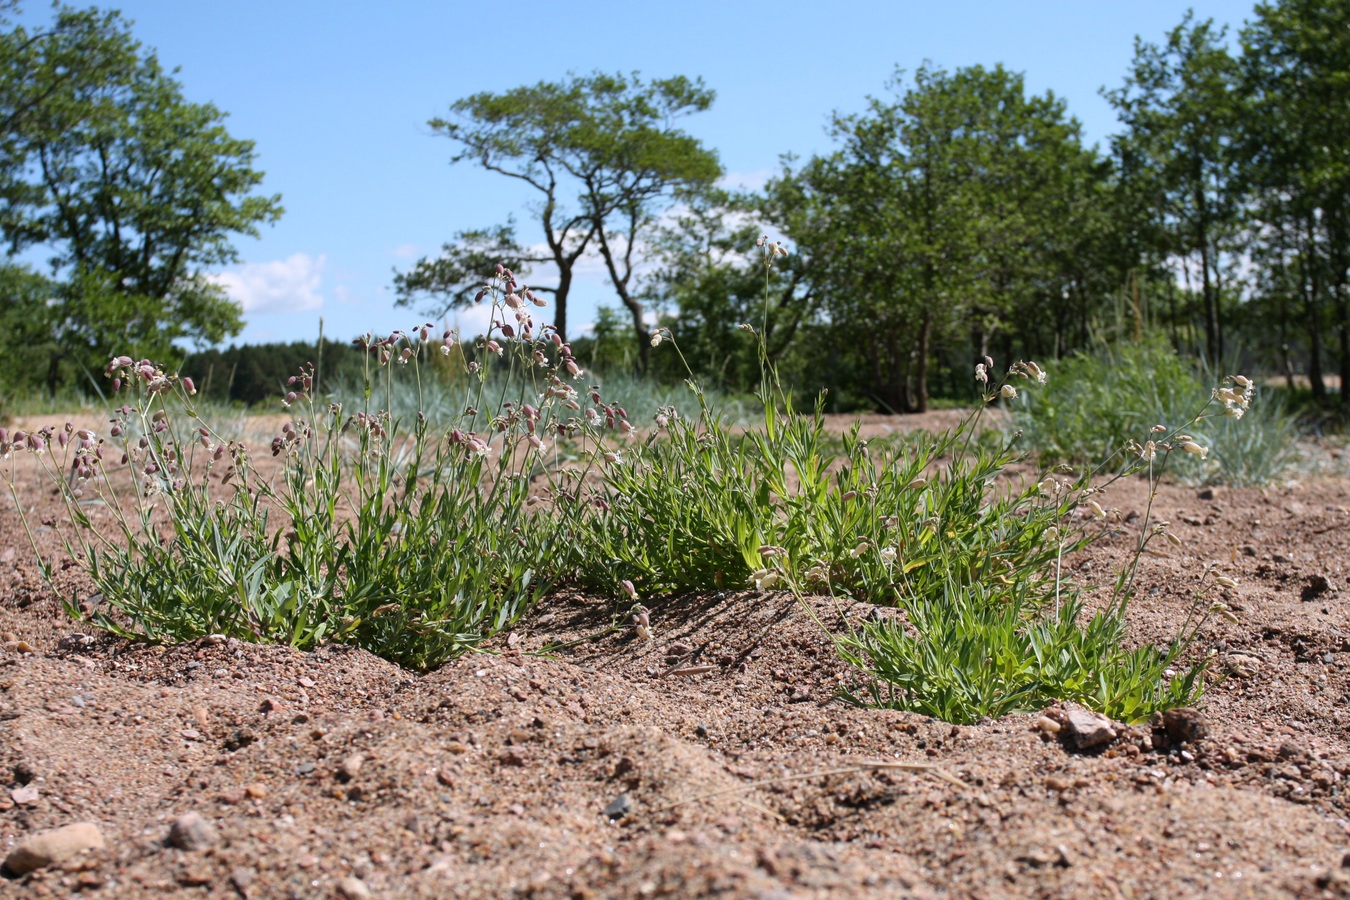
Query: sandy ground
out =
(716, 760)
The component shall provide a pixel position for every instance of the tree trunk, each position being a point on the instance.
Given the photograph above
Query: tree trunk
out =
(560, 300)
(644, 344)
(921, 371)
(53, 373)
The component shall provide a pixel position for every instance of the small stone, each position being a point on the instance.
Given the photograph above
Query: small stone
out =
(255, 791)
(618, 807)
(351, 767)
(48, 848)
(241, 878)
(1057, 784)
(304, 768)
(1047, 724)
(1185, 725)
(352, 889)
(191, 831)
(24, 772)
(25, 796)
(239, 739)
(1087, 729)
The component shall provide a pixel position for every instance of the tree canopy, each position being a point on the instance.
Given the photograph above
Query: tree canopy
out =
(135, 191)
(605, 156)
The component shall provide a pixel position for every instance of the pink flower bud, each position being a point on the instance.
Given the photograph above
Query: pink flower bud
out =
(189, 386)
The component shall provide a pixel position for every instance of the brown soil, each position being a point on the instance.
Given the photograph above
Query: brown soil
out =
(716, 760)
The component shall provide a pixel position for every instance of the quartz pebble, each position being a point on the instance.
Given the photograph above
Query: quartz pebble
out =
(52, 847)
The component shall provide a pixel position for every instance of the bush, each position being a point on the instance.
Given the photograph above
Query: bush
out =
(1100, 400)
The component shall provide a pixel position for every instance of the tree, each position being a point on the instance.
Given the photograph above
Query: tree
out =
(931, 225)
(135, 190)
(605, 157)
(1179, 106)
(1296, 150)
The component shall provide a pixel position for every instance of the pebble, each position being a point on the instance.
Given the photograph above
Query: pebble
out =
(48, 848)
(1185, 725)
(1047, 724)
(618, 807)
(191, 831)
(351, 767)
(24, 796)
(1088, 729)
(352, 889)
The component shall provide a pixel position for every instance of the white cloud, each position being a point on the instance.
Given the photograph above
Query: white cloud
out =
(406, 251)
(288, 285)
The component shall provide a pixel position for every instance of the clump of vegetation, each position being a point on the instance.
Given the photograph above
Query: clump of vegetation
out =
(416, 539)
(1100, 400)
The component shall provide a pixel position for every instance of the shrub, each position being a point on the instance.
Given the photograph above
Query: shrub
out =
(1099, 400)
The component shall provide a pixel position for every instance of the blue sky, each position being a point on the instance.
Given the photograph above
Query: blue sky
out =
(337, 95)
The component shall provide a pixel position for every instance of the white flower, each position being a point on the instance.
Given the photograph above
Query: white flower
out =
(1193, 447)
(1007, 392)
(888, 554)
(1149, 451)
(858, 550)
(1036, 372)
(613, 457)
(764, 579)
(981, 375)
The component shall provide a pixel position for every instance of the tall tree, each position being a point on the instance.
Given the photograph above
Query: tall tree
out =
(931, 221)
(1296, 79)
(1179, 106)
(605, 156)
(135, 190)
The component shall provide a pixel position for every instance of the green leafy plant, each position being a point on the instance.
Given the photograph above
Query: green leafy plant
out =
(1099, 400)
(374, 529)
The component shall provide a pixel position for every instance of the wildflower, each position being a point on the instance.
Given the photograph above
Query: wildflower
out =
(628, 588)
(1193, 447)
(189, 386)
(1097, 509)
(1007, 392)
(657, 337)
(613, 457)
(478, 447)
(662, 420)
(445, 349)
(981, 373)
(572, 368)
(1241, 381)
(1234, 412)
(1149, 451)
(858, 550)
(888, 554)
(764, 579)
(494, 347)
(1036, 372)
(1225, 581)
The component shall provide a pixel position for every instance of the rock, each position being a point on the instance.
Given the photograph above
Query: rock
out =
(1047, 725)
(24, 772)
(192, 832)
(1314, 586)
(239, 739)
(618, 807)
(1184, 725)
(352, 889)
(351, 767)
(48, 848)
(1086, 729)
(25, 796)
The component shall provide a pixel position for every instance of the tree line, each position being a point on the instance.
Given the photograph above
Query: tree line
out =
(957, 216)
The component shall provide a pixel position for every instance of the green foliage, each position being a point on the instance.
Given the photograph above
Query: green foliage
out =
(1100, 400)
(974, 652)
(135, 190)
(610, 141)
